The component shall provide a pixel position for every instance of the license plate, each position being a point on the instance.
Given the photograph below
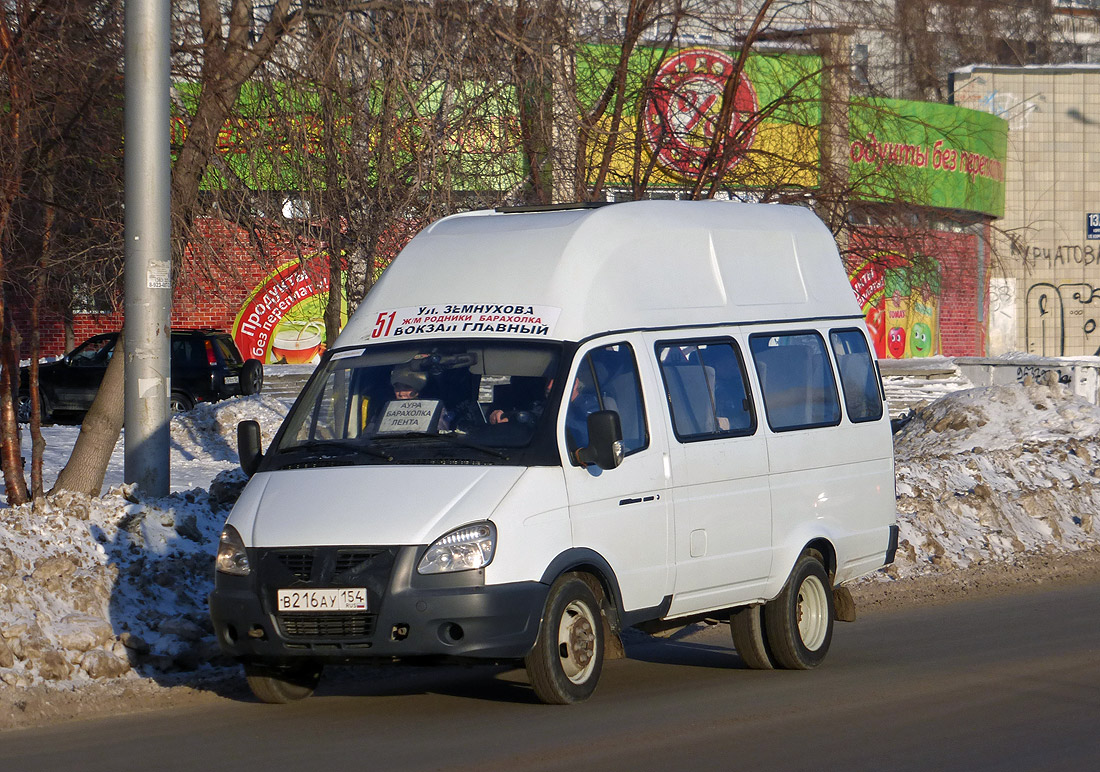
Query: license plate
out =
(232, 379)
(343, 599)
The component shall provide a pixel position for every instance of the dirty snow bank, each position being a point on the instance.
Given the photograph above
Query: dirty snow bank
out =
(97, 588)
(113, 586)
(986, 474)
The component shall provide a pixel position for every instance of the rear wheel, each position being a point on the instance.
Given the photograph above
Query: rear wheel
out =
(252, 377)
(280, 685)
(747, 626)
(566, 662)
(799, 622)
(180, 402)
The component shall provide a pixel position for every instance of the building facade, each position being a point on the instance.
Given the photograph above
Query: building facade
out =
(1045, 287)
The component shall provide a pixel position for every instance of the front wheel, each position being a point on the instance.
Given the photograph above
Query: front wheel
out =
(280, 685)
(23, 408)
(566, 662)
(799, 622)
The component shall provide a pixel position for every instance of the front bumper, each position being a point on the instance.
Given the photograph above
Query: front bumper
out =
(408, 615)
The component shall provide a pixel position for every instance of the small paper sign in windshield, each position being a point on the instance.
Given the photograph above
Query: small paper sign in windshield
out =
(409, 415)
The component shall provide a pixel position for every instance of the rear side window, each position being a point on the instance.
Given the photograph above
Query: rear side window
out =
(607, 379)
(228, 350)
(796, 379)
(858, 378)
(707, 393)
(187, 352)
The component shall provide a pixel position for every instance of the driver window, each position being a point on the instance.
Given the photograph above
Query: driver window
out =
(607, 379)
(94, 352)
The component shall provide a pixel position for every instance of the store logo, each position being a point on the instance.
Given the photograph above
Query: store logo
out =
(681, 117)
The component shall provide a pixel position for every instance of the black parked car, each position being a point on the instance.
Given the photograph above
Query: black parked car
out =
(206, 367)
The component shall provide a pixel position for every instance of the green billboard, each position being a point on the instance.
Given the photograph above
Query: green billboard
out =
(465, 137)
(928, 154)
(670, 104)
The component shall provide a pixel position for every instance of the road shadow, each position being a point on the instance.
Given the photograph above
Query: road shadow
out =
(696, 645)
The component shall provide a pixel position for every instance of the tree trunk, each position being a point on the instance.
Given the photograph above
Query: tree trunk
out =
(15, 484)
(87, 464)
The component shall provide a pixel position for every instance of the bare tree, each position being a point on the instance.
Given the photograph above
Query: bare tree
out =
(60, 165)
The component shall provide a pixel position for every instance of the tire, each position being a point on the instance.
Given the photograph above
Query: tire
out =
(799, 622)
(252, 377)
(180, 402)
(280, 685)
(565, 664)
(23, 409)
(747, 627)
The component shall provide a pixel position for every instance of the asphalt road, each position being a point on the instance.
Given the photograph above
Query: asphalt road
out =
(1010, 683)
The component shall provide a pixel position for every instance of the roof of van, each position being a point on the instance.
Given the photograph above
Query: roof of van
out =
(569, 274)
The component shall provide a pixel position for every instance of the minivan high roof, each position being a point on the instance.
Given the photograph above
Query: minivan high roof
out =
(633, 265)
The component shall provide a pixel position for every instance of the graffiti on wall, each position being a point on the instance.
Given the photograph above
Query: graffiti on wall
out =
(1062, 319)
(901, 308)
(1012, 107)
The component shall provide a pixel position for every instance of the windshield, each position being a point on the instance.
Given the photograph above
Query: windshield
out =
(477, 401)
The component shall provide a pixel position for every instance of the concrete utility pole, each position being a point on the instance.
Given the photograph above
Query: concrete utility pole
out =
(148, 247)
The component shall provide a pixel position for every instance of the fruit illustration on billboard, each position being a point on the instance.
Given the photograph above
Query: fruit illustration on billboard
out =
(895, 342)
(869, 284)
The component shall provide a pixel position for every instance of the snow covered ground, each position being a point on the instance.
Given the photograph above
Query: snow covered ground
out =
(115, 587)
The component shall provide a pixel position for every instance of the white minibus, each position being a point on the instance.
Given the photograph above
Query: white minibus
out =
(544, 426)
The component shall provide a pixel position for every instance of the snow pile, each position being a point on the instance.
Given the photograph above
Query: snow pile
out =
(988, 473)
(93, 587)
(210, 429)
(111, 586)
(105, 587)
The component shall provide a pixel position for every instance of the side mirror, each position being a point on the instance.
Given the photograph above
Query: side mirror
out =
(248, 446)
(605, 440)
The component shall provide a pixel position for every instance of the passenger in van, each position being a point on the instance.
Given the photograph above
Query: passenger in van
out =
(522, 405)
(408, 383)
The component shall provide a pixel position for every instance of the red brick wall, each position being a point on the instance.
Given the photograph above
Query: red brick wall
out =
(219, 271)
(964, 279)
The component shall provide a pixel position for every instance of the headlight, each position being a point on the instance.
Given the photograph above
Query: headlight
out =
(463, 549)
(232, 558)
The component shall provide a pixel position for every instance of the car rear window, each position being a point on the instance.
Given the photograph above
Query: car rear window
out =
(229, 351)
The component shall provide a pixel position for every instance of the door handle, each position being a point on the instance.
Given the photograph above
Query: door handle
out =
(638, 500)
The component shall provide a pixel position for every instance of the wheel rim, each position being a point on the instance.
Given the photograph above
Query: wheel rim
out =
(813, 613)
(577, 642)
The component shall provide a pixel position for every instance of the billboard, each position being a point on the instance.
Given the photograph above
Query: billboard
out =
(928, 154)
(276, 138)
(670, 123)
(282, 321)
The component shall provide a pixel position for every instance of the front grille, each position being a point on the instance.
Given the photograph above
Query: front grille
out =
(336, 625)
(300, 564)
(347, 560)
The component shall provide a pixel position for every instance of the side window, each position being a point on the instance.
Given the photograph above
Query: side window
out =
(329, 420)
(858, 378)
(607, 379)
(707, 393)
(796, 379)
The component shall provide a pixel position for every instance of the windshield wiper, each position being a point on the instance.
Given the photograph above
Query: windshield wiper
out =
(343, 447)
(451, 439)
